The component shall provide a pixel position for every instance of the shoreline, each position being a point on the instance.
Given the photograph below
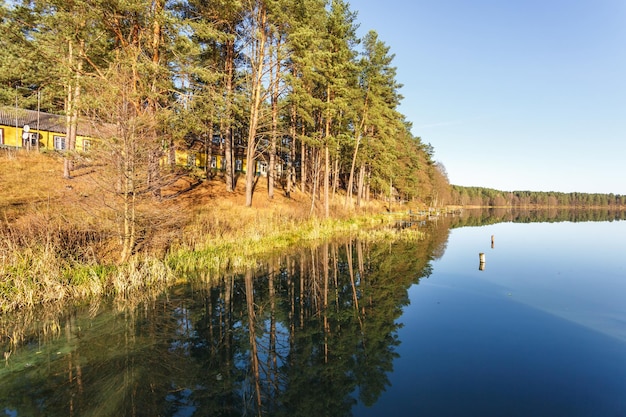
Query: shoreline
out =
(37, 275)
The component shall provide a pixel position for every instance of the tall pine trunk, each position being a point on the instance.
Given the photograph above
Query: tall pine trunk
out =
(274, 75)
(304, 160)
(228, 131)
(327, 155)
(315, 177)
(73, 95)
(256, 91)
(291, 174)
(336, 167)
(326, 181)
(348, 201)
(360, 189)
(359, 131)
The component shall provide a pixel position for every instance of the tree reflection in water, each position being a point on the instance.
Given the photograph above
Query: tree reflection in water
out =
(309, 333)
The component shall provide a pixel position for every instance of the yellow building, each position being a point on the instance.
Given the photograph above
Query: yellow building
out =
(30, 129)
(197, 154)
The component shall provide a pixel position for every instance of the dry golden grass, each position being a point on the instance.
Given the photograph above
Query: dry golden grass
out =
(23, 179)
(59, 237)
(34, 181)
(31, 181)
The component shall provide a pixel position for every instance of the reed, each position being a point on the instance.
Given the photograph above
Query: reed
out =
(239, 250)
(140, 275)
(36, 275)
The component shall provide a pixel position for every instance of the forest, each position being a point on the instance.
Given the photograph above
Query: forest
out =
(287, 83)
(487, 197)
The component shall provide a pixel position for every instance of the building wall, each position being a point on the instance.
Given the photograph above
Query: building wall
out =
(198, 159)
(10, 136)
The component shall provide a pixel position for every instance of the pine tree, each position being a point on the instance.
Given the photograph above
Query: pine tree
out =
(214, 27)
(258, 30)
(378, 99)
(339, 72)
(308, 48)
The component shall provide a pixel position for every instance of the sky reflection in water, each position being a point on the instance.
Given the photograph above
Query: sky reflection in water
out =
(541, 331)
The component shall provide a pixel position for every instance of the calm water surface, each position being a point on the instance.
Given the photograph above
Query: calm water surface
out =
(541, 331)
(352, 329)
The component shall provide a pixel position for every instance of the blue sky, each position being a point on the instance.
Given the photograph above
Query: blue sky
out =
(513, 95)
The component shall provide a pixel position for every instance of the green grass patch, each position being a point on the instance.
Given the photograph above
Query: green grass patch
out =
(237, 254)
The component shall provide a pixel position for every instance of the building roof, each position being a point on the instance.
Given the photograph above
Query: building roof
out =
(10, 116)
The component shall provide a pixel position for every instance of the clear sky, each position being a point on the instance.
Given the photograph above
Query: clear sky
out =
(513, 95)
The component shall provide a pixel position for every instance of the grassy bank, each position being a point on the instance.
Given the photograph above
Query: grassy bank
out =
(59, 238)
(231, 255)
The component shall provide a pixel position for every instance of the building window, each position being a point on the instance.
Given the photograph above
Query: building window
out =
(191, 160)
(238, 165)
(263, 168)
(86, 145)
(59, 143)
(1, 136)
(213, 162)
(29, 140)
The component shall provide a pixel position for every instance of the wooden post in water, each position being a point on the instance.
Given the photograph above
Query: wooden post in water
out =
(492, 241)
(481, 257)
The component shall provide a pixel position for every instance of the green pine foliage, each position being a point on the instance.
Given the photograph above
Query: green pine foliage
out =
(290, 80)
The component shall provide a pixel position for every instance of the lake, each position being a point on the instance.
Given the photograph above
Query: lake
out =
(353, 328)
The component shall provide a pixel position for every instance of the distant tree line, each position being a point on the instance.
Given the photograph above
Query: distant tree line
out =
(487, 197)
